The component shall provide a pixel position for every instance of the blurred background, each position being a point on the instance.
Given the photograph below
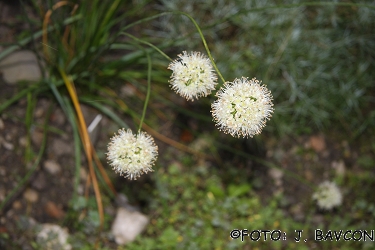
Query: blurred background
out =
(62, 60)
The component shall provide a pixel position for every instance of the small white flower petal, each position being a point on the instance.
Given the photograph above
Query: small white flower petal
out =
(328, 195)
(192, 76)
(132, 155)
(242, 107)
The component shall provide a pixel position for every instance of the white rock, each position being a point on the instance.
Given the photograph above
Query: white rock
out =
(53, 237)
(20, 65)
(8, 145)
(31, 195)
(127, 225)
(339, 166)
(52, 167)
(277, 175)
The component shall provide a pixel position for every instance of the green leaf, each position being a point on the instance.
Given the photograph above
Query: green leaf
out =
(238, 190)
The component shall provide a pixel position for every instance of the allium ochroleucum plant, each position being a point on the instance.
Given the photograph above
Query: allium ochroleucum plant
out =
(132, 155)
(242, 108)
(192, 75)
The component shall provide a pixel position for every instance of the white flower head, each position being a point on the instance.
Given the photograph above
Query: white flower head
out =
(242, 108)
(132, 155)
(192, 76)
(328, 195)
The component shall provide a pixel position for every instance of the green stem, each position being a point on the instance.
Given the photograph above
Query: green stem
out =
(149, 44)
(149, 68)
(204, 42)
(195, 24)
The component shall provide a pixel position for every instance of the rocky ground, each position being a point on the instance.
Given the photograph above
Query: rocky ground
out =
(44, 196)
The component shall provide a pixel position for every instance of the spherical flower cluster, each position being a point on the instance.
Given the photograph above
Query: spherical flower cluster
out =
(328, 195)
(192, 76)
(242, 108)
(132, 155)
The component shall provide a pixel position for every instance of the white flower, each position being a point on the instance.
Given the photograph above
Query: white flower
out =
(328, 195)
(132, 155)
(243, 107)
(192, 76)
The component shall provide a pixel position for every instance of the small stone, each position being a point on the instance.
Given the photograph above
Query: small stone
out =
(317, 143)
(31, 195)
(83, 174)
(276, 175)
(6, 145)
(20, 65)
(339, 166)
(37, 137)
(52, 167)
(53, 237)
(128, 90)
(39, 112)
(128, 225)
(53, 210)
(80, 189)
(16, 205)
(22, 141)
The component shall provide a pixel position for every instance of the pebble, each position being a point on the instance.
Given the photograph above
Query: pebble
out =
(16, 205)
(39, 112)
(83, 174)
(52, 167)
(317, 143)
(53, 210)
(128, 90)
(22, 141)
(37, 137)
(31, 195)
(276, 175)
(6, 145)
(128, 225)
(339, 166)
(20, 65)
